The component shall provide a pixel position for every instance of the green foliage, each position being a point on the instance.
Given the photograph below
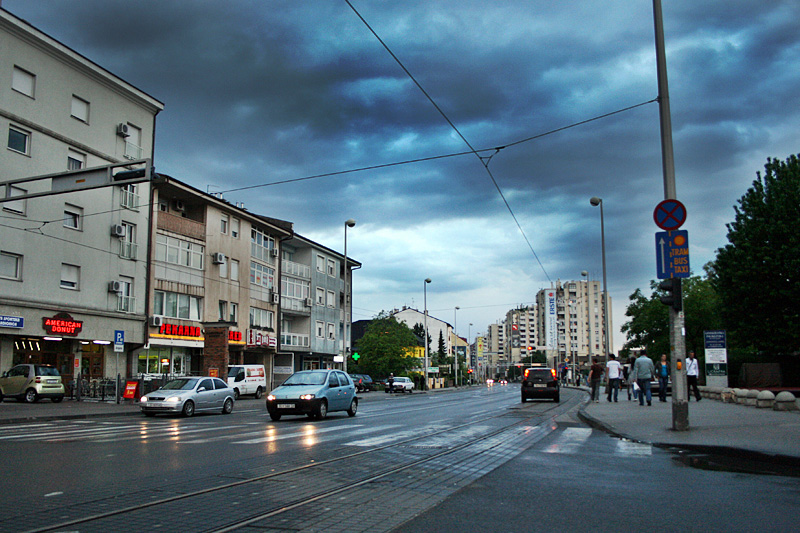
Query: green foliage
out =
(757, 274)
(440, 357)
(384, 346)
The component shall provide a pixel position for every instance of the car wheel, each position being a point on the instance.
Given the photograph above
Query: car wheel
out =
(57, 399)
(353, 408)
(236, 393)
(188, 408)
(259, 392)
(523, 399)
(322, 410)
(227, 407)
(31, 396)
(275, 416)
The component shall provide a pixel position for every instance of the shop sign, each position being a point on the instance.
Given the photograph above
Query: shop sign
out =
(180, 330)
(235, 336)
(11, 321)
(62, 324)
(259, 338)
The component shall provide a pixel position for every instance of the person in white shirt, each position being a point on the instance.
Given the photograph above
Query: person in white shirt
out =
(692, 372)
(613, 374)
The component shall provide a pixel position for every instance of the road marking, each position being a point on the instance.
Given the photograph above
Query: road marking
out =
(569, 441)
(627, 447)
(309, 432)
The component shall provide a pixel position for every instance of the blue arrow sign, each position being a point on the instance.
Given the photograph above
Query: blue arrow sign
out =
(672, 254)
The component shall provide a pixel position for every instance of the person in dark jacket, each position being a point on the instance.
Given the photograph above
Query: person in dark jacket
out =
(595, 373)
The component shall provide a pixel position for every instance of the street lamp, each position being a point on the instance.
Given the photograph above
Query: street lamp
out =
(349, 223)
(585, 274)
(425, 341)
(469, 333)
(595, 201)
(455, 345)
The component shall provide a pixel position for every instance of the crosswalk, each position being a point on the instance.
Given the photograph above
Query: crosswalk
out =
(564, 440)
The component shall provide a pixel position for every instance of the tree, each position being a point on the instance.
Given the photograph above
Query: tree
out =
(419, 331)
(757, 274)
(385, 346)
(440, 357)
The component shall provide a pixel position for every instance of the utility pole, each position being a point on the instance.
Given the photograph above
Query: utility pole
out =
(680, 398)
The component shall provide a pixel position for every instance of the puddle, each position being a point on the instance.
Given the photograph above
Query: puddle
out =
(724, 463)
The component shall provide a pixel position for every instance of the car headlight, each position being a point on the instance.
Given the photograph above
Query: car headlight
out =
(307, 397)
(143, 399)
(271, 398)
(173, 399)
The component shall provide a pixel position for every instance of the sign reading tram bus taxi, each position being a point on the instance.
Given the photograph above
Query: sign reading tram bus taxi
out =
(62, 324)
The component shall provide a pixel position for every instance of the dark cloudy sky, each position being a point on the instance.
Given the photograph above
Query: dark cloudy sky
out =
(258, 92)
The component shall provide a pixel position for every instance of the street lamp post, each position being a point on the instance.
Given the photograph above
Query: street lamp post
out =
(425, 341)
(349, 223)
(595, 201)
(469, 332)
(455, 340)
(585, 274)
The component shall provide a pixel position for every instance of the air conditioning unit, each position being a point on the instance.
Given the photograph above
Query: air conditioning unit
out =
(157, 321)
(178, 205)
(218, 258)
(276, 298)
(309, 302)
(273, 252)
(115, 286)
(118, 230)
(123, 130)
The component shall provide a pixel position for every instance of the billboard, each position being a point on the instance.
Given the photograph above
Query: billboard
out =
(551, 320)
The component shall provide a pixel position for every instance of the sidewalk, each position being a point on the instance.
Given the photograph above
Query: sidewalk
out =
(713, 426)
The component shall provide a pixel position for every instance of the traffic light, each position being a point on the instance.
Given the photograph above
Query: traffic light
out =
(356, 356)
(672, 290)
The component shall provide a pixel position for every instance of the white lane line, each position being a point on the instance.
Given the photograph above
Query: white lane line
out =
(309, 432)
(633, 449)
(569, 441)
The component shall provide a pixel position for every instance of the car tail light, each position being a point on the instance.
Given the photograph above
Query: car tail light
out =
(553, 371)
(38, 379)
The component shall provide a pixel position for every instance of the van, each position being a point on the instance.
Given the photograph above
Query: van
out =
(247, 379)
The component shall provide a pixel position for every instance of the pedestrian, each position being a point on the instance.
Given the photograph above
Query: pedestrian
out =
(643, 370)
(692, 373)
(577, 379)
(662, 371)
(629, 378)
(595, 373)
(613, 373)
(391, 382)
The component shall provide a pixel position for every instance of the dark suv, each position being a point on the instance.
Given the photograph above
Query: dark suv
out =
(540, 383)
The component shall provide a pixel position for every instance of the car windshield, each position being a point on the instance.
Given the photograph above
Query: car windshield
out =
(180, 384)
(46, 371)
(307, 378)
(234, 371)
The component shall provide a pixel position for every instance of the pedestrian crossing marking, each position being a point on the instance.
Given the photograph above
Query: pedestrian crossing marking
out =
(570, 440)
(628, 447)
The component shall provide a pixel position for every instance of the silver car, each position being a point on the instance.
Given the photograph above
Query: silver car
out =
(188, 396)
(314, 393)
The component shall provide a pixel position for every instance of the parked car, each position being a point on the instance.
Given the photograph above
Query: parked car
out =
(247, 379)
(314, 393)
(189, 395)
(401, 384)
(540, 383)
(30, 382)
(502, 381)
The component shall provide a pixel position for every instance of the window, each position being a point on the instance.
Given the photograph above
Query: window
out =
(295, 288)
(331, 267)
(223, 269)
(70, 276)
(72, 216)
(262, 275)
(19, 140)
(234, 270)
(224, 222)
(176, 305)
(75, 160)
(331, 299)
(223, 310)
(127, 244)
(179, 252)
(260, 245)
(320, 296)
(331, 331)
(320, 329)
(320, 264)
(235, 226)
(10, 266)
(133, 143)
(126, 301)
(234, 316)
(23, 82)
(130, 197)
(16, 206)
(260, 318)
(80, 109)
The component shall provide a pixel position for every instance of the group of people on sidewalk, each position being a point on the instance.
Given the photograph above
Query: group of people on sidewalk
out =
(638, 373)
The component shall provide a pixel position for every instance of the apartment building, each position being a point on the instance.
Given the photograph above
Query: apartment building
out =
(73, 268)
(494, 350)
(315, 308)
(521, 331)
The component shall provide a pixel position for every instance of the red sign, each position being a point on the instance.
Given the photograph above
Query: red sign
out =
(669, 215)
(131, 390)
(62, 324)
(234, 335)
(258, 338)
(181, 331)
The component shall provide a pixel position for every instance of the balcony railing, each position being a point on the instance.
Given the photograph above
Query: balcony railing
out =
(128, 250)
(129, 199)
(295, 304)
(296, 269)
(294, 339)
(132, 151)
(126, 304)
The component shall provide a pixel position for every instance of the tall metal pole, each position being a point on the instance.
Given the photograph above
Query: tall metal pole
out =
(595, 201)
(585, 273)
(425, 341)
(349, 223)
(680, 397)
(455, 340)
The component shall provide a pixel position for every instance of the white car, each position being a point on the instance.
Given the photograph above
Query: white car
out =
(401, 384)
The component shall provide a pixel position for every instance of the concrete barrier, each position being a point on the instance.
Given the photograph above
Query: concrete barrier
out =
(752, 398)
(765, 399)
(726, 395)
(739, 395)
(785, 401)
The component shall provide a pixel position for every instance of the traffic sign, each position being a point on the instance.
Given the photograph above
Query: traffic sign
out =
(669, 215)
(672, 254)
(119, 340)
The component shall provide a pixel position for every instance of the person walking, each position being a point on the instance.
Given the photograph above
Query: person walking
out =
(595, 373)
(662, 371)
(692, 373)
(613, 374)
(391, 383)
(643, 371)
(629, 378)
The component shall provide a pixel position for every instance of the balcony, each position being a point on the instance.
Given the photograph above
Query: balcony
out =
(294, 340)
(295, 305)
(126, 304)
(297, 270)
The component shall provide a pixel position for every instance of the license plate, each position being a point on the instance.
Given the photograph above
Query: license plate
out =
(540, 385)
(52, 381)
(285, 406)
